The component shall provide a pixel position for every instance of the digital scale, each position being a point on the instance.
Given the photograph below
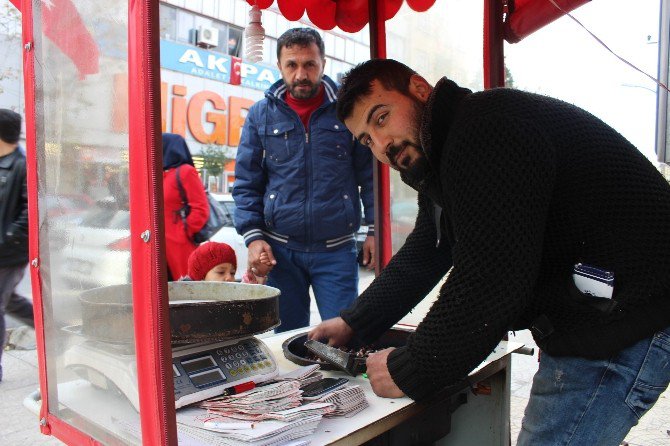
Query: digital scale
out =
(200, 371)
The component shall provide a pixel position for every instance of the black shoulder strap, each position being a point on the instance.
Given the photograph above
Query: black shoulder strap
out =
(182, 192)
(183, 211)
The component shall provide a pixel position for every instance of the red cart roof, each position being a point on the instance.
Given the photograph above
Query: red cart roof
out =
(523, 16)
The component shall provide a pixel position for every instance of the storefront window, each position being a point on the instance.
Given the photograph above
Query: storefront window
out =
(168, 22)
(185, 26)
(234, 42)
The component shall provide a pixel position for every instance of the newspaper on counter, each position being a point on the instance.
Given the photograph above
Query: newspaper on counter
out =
(305, 375)
(348, 401)
(259, 400)
(215, 430)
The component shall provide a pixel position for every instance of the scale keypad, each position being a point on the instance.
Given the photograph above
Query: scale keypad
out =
(221, 365)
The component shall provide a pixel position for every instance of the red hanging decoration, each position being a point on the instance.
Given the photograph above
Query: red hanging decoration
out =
(391, 8)
(420, 5)
(321, 13)
(262, 4)
(351, 15)
(292, 10)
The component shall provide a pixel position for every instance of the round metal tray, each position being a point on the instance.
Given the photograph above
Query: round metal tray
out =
(295, 351)
(199, 311)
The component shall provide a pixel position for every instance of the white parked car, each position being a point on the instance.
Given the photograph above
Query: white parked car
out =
(228, 234)
(97, 251)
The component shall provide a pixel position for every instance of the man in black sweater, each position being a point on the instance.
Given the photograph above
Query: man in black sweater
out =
(548, 219)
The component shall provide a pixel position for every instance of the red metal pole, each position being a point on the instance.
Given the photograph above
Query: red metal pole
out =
(28, 41)
(382, 178)
(149, 284)
(494, 60)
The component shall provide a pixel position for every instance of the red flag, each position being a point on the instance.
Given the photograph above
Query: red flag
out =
(62, 24)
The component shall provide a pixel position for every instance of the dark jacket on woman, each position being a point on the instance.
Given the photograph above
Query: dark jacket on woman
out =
(13, 210)
(524, 187)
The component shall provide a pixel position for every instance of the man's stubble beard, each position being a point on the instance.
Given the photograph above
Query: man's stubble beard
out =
(304, 95)
(419, 169)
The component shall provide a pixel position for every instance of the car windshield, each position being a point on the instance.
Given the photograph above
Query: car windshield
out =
(228, 206)
(107, 218)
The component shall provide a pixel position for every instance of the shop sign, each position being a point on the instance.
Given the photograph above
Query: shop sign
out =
(198, 62)
(194, 61)
(257, 76)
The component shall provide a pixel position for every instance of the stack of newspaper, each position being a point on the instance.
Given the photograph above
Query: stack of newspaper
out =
(267, 415)
(304, 375)
(220, 431)
(281, 395)
(347, 401)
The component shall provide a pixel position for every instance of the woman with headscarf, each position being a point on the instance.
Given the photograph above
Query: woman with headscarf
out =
(179, 229)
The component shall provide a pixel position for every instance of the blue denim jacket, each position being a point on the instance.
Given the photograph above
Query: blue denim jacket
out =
(301, 186)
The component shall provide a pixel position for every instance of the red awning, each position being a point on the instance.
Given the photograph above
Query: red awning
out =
(527, 16)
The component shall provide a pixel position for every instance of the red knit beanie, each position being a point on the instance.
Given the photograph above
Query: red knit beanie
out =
(207, 256)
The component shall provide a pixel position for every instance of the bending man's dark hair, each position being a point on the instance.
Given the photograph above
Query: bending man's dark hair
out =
(357, 83)
(301, 37)
(10, 126)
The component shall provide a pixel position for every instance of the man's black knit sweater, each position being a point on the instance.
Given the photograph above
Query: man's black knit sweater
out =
(528, 186)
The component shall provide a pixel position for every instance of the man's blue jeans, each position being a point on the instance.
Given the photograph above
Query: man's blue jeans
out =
(333, 276)
(579, 402)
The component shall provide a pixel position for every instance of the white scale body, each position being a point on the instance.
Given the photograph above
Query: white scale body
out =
(200, 371)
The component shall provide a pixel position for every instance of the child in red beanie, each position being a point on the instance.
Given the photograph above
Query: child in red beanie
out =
(213, 261)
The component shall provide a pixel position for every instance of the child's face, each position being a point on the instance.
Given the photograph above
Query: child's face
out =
(223, 272)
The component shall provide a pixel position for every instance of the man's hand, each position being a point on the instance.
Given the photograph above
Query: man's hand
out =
(335, 330)
(369, 252)
(379, 376)
(261, 260)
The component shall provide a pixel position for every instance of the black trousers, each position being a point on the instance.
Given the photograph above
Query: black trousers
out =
(11, 303)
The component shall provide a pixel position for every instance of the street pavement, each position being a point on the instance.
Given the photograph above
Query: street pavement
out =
(20, 427)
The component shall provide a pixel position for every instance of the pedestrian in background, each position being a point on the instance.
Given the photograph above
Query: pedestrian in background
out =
(298, 174)
(13, 224)
(182, 218)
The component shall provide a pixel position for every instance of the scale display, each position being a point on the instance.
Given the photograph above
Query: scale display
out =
(204, 371)
(199, 371)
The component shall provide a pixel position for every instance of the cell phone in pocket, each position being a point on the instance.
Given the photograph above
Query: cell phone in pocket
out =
(322, 387)
(593, 281)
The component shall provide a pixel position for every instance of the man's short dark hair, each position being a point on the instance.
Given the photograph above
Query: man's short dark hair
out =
(10, 126)
(301, 37)
(357, 83)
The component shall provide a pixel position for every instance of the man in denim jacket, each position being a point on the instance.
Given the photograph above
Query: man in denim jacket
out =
(298, 175)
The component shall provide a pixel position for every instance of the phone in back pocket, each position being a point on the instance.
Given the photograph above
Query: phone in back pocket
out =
(593, 281)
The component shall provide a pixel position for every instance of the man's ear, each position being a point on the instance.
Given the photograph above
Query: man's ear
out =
(419, 87)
